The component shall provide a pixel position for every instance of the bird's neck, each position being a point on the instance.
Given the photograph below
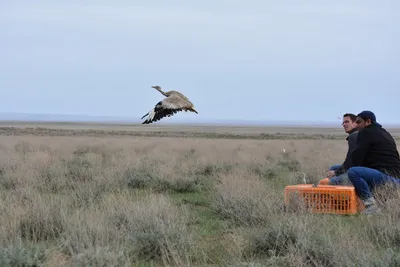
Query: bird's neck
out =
(161, 91)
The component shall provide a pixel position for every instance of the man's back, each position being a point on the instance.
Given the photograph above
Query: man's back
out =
(351, 145)
(377, 149)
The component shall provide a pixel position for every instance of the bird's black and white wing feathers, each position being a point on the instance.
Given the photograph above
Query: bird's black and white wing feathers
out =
(165, 108)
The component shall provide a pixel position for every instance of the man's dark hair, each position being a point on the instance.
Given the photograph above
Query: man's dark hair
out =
(352, 116)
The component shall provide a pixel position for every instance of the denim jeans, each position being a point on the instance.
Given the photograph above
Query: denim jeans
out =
(335, 167)
(365, 179)
(340, 179)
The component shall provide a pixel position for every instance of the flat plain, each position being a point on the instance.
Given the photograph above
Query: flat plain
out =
(129, 195)
(157, 130)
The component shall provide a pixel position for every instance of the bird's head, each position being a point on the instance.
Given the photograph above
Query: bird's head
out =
(156, 87)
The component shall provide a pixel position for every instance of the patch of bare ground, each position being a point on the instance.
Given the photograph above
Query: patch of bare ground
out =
(113, 201)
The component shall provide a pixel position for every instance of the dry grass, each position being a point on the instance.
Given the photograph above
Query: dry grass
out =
(80, 201)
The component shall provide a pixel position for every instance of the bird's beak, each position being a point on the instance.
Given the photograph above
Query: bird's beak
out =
(153, 86)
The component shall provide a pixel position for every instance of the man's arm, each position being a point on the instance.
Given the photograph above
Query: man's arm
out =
(352, 145)
(352, 142)
(364, 140)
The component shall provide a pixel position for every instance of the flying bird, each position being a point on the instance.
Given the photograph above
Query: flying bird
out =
(173, 103)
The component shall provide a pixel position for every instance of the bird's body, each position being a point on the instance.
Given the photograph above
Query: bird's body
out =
(173, 103)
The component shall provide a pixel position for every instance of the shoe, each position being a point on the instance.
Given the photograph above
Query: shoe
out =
(369, 201)
(371, 207)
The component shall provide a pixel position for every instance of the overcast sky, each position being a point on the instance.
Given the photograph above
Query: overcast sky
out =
(259, 60)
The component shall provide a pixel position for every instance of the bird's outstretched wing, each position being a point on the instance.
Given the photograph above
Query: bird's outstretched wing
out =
(167, 108)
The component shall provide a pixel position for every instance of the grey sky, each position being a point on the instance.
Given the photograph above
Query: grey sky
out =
(258, 60)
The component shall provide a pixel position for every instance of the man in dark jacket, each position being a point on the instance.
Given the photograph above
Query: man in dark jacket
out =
(375, 160)
(337, 173)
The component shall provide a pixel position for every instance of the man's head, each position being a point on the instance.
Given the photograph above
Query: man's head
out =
(365, 118)
(349, 122)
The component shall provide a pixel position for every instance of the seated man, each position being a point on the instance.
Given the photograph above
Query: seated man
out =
(375, 160)
(337, 173)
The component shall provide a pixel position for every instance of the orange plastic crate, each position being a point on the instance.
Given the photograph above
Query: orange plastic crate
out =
(327, 199)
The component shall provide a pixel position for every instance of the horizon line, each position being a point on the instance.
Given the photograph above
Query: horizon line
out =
(14, 117)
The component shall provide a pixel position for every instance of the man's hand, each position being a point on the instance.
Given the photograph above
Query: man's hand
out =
(324, 181)
(330, 174)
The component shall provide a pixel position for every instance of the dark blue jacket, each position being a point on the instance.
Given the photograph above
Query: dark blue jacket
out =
(377, 149)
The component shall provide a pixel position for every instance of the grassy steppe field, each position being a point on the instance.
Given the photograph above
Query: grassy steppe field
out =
(74, 195)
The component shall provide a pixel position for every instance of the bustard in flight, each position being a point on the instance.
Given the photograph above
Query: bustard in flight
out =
(170, 105)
